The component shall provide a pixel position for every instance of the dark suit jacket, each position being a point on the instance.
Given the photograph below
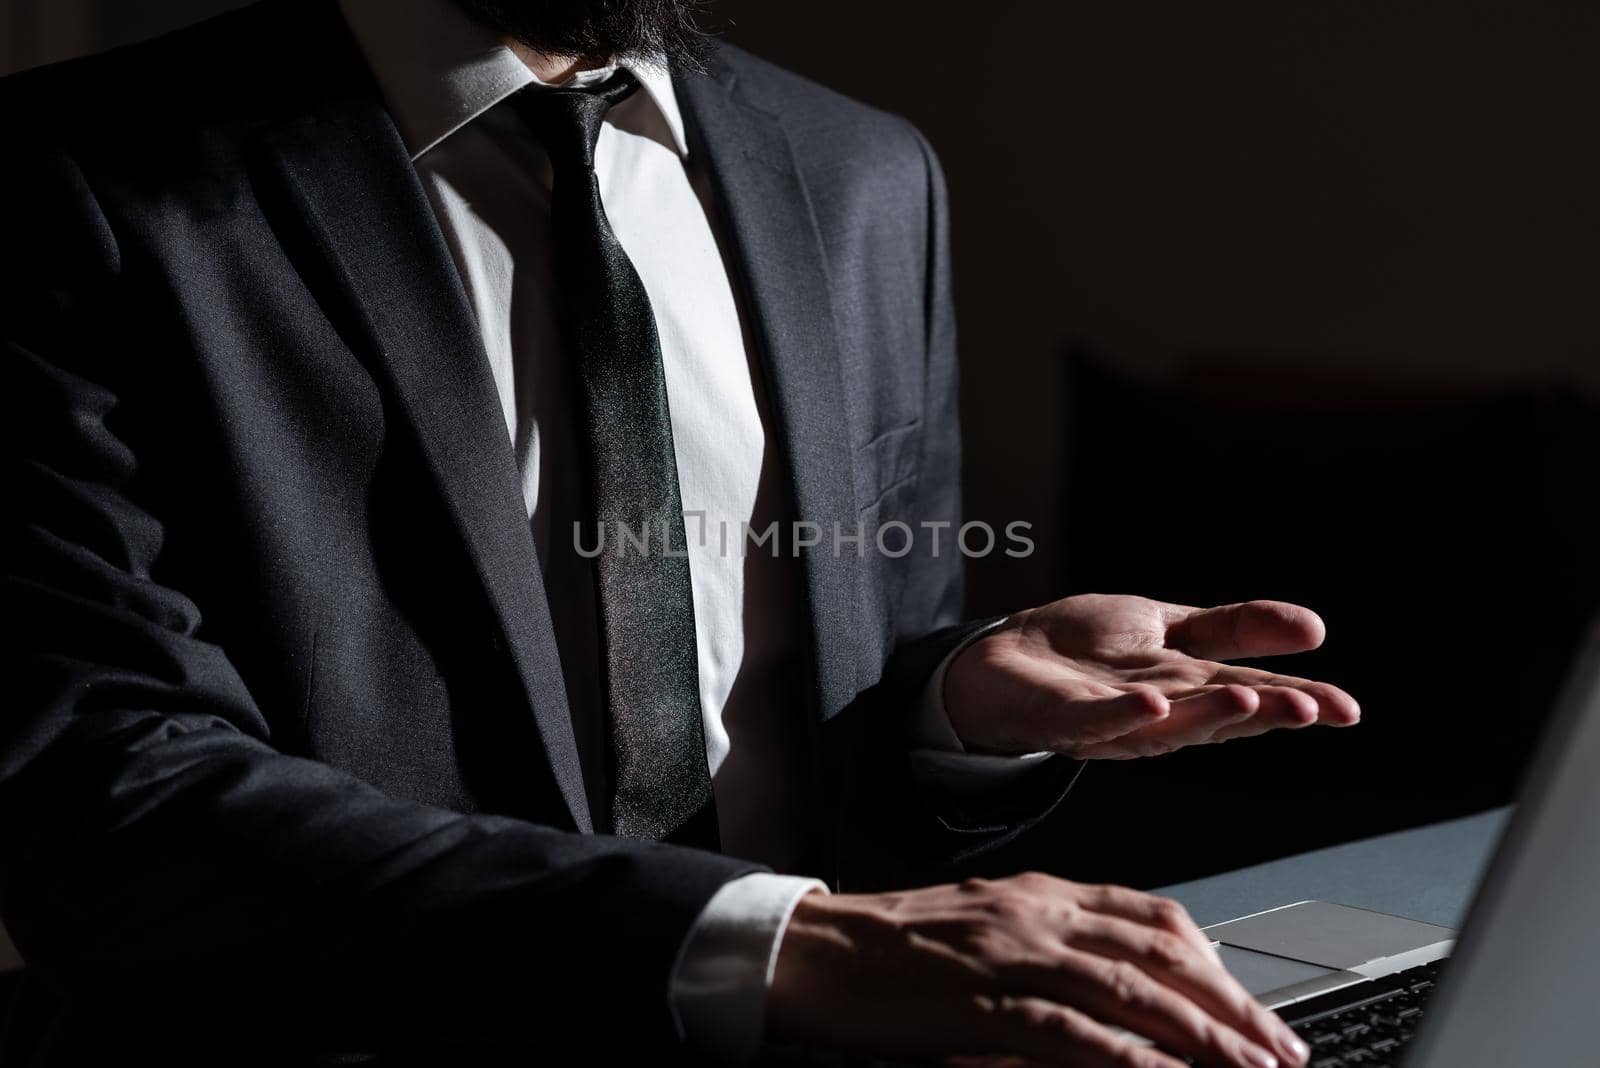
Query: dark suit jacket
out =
(286, 767)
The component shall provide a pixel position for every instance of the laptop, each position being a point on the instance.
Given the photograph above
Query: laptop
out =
(1521, 985)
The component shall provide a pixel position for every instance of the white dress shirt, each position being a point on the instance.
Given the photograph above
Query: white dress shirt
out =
(443, 78)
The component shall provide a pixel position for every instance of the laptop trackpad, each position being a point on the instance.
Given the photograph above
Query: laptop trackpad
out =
(1334, 936)
(1263, 973)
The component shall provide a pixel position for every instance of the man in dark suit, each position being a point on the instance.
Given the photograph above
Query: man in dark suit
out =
(325, 323)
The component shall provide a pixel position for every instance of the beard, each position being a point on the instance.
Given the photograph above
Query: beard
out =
(600, 30)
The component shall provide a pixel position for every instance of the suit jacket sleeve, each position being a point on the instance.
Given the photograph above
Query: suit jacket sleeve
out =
(899, 829)
(157, 850)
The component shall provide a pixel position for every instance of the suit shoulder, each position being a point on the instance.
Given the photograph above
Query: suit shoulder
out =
(156, 117)
(142, 92)
(826, 119)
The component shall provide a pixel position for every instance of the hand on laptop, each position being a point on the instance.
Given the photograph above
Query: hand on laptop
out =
(1110, 677)
(1031, 968)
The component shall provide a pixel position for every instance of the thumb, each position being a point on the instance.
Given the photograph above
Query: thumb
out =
(1252, 628)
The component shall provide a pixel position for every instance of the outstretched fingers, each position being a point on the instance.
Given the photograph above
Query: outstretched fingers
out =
(1334, 707)
(1196, 718)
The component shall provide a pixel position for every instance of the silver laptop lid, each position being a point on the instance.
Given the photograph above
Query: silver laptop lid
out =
(1523, 987)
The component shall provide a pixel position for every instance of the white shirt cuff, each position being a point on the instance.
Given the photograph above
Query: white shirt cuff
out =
(718, 988)
(938, 757)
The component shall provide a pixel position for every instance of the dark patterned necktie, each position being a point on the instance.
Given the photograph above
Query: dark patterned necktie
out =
(660, 785)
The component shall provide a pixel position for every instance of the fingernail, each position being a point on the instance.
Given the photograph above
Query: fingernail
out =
(1298, 1050)
(1260, 1057)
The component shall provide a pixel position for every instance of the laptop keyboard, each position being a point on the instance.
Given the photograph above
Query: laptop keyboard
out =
(1367, 1024)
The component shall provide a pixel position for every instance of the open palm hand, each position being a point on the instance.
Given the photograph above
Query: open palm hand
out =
(1114, 677)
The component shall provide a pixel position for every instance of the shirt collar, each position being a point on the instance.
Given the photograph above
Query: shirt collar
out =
(439, 69)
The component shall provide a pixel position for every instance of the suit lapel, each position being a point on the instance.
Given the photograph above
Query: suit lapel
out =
(348, 174)
(766, 213)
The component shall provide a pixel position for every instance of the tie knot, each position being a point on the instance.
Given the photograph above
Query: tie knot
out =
(567, 120)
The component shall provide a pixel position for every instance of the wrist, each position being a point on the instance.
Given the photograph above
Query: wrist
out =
(974, 694)
(813, 947)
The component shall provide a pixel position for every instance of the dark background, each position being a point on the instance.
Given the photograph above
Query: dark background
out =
(1258, 298)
